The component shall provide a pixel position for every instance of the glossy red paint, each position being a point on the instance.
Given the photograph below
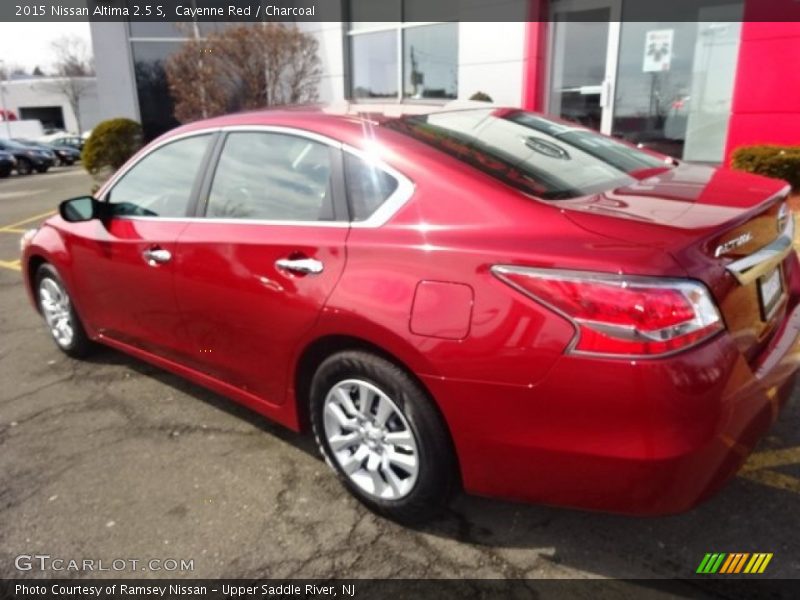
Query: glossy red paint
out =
(528, 419)
(442, 310)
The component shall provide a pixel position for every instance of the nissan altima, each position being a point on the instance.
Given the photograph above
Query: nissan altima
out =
(480, 299)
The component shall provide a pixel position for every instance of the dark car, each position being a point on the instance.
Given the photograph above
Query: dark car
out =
(7, 163)
(69, 141)
(65, 155)
(29, 158)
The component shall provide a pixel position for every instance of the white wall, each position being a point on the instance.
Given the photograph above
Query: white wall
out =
(330, 37)
(490, 60)
(116, 85)
(43, 91)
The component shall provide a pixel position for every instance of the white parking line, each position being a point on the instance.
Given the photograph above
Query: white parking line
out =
(7, 195)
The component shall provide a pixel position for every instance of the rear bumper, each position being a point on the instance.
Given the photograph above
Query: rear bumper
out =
(638, 437)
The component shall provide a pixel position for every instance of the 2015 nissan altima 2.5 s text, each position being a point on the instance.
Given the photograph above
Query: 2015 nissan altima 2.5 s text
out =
(484, 299)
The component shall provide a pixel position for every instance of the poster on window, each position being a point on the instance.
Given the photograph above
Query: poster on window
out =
(658, 50)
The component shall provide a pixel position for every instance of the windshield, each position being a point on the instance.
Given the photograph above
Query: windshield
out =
(538, 156)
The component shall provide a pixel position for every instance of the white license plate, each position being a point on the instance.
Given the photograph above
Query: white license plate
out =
(770, 290)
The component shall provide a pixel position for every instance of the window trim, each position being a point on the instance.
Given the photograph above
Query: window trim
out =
(405, 187)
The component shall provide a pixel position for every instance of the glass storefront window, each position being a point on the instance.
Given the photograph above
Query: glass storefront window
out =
(427, 65)
(666, 86)
(369, 14)
(579, 66)
(156, 29)
(676, 102)
(155, 102)
(374, 65)
(430, 61)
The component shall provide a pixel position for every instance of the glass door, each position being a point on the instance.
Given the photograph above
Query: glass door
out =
(584, 45)
(675, 83)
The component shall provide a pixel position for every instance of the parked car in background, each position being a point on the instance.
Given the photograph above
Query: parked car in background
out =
(487, 298)
(7, 163)
(29, 158)
(65, 155)
(69, 141)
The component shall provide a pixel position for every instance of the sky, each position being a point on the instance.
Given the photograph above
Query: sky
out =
(28, 44)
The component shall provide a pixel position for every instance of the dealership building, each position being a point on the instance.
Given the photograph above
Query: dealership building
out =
(693, 89)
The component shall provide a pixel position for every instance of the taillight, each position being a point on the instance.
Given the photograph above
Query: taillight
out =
(621, 315)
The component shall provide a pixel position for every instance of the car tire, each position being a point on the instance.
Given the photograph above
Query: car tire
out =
(24, 166)
(393, 451)
(59, 313)
(5, 173)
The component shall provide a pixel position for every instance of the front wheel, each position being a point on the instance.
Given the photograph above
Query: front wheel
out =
(59, 314)
(24, 166)
(42, 169)
(383, 436)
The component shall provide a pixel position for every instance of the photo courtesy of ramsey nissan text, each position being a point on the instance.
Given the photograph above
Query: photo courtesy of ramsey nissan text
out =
(390, 298)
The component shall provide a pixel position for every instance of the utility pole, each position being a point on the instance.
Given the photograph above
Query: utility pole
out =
(3, 98)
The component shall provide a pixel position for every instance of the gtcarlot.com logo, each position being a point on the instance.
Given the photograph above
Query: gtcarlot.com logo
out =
(732, 563)
(45, 562)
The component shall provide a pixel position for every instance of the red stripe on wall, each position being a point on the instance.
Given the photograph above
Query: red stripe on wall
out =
(534, 63)
(766, 95)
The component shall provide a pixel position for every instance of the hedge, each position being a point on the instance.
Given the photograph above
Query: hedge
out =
(111, 143)
(780, 162)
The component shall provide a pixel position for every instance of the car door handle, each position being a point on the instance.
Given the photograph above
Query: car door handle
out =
(306, 266)
(156, 256)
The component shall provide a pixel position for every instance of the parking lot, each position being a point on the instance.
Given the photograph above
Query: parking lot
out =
(114, 459)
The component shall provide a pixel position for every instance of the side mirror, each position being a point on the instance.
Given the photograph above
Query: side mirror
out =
(76, 210)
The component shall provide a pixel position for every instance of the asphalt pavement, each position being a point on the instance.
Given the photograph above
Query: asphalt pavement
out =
(112, 459)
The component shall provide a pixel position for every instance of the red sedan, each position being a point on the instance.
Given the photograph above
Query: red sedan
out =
(484, 298)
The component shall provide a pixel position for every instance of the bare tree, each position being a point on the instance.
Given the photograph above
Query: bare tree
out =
(72, 69)
(243, 67)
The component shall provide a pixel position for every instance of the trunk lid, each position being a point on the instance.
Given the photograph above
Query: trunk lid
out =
(709, 220)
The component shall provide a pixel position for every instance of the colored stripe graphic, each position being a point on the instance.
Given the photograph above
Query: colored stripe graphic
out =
(733, 563)
(711, 562)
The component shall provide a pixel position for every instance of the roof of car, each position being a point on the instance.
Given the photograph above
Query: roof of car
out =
(341, 121)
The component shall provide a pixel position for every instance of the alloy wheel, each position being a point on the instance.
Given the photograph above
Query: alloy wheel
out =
(57, 311)
(370, 439)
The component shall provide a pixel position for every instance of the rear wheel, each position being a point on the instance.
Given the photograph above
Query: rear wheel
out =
(382, 435)
(24, 166)
(4, 173)
(42, 169)
(59, 313)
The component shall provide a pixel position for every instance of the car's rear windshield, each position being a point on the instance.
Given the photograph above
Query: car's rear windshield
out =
(545, 158)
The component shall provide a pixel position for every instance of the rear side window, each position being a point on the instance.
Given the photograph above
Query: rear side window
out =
(272, 177)
(368, 186)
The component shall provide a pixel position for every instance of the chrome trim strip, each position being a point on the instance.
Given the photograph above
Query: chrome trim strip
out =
(746, 270)
(341, 224)
(405, 187)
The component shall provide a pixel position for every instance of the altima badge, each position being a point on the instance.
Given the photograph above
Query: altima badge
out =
(734, 243)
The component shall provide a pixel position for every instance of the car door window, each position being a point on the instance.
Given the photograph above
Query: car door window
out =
(160, 185)
(272, 176)
(368, 186)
